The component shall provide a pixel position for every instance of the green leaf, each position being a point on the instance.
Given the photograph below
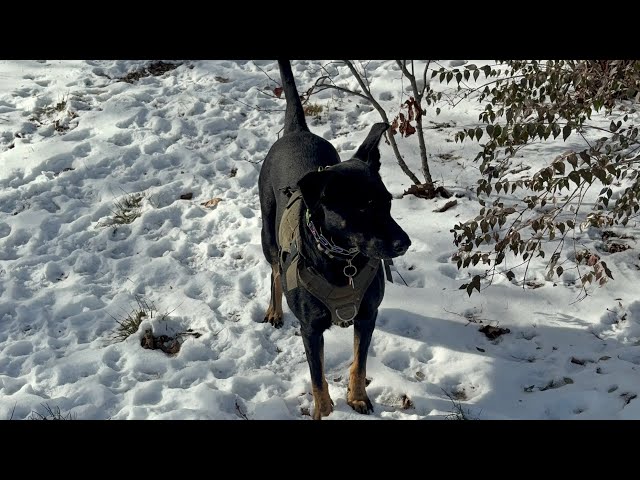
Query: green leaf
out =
(606, 270)
(573, 160)
(475, 283)
(510, 275)
(478, 132)
(559, 271)
(575, 178)
(585, 157)
(438, 111)
(476, 74)
(566, 131)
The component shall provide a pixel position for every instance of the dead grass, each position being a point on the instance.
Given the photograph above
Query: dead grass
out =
(125, 211)
(313, 110)
(51, 413)
(154, 69)
(457, 411)
(130, 323)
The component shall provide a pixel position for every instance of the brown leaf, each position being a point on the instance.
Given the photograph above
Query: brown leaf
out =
(213, 203)
(278, 91)
(493, 332)
(394, 126)
(186, 196)
(409, 130)
(409, 106)
(614, 247)
(407, 403)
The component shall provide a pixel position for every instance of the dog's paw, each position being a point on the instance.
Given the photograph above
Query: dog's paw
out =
(361, 406)
(274, 320)
(324, 410)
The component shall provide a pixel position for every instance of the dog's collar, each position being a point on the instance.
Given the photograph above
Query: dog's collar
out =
(325, 245)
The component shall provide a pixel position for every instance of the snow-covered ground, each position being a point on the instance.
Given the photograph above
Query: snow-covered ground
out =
(73, 140)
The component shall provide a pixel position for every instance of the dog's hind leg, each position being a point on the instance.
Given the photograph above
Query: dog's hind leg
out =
(314, 348)
(274, 312)
(356, 394)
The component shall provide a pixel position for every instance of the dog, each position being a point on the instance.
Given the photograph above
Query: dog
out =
(327, 258)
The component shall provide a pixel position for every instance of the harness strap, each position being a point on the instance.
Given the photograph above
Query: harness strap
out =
(342, 302)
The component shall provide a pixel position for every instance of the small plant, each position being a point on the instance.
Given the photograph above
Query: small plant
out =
(313, 110)
(153, 69)
(126, 210)
(51, 413)
(58, 114)
(458, 412)
(131, 322)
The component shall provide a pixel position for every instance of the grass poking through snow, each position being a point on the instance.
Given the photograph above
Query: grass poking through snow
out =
(458, 412)
(51, 413)
(125, 211)
(130, 324)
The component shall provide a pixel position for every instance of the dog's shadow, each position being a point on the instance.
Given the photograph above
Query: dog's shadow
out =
(439, 362)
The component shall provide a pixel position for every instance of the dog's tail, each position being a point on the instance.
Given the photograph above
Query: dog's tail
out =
(294, 120)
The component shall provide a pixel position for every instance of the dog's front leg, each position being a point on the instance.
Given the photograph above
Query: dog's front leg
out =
(314, 348)
(356, 395)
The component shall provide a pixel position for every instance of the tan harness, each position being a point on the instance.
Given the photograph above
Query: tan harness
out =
(342, 302)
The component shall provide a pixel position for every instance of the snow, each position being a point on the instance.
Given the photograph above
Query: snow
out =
(65, 275)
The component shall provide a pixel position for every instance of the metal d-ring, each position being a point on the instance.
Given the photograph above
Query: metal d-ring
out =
(355, 312)
(345, 270)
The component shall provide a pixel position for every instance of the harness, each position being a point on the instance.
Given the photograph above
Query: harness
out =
(342, 302)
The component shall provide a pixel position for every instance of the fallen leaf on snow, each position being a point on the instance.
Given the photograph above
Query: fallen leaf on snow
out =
(493, 332)
(407, 403)
(213, 203)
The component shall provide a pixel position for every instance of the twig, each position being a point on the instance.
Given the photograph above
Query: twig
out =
(405, 282)
(260, 68)
(446, 206)
(240, 411)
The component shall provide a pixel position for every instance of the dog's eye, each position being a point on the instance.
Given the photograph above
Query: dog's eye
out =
(367, 206)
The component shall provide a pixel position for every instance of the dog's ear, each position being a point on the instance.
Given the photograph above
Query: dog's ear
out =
(368, 151)
(312, 187)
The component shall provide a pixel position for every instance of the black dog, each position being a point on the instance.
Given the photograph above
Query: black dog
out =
(327, 259)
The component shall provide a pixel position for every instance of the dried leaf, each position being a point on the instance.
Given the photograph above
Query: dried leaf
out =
(493, 332)
(278, 91)
(213, 203)
(407, 403)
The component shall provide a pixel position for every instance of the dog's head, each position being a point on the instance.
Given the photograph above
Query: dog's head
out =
(351, 205)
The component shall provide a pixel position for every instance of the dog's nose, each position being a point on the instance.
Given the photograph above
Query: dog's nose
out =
(400, 246)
